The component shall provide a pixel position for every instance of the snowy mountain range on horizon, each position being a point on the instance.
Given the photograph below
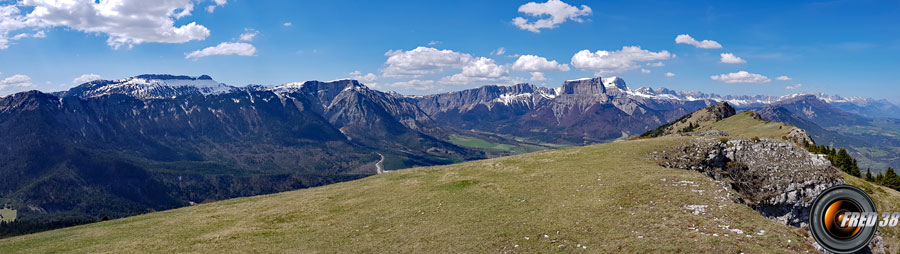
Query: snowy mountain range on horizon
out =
(155, 86)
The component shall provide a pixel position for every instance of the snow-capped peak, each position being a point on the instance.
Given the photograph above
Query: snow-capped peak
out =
(616, 82)
(287, 87)
(151, 86)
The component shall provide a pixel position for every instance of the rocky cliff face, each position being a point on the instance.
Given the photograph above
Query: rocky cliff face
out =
(580, 112)
(777, 178)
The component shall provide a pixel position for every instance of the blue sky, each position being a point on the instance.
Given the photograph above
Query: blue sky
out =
(849, 48)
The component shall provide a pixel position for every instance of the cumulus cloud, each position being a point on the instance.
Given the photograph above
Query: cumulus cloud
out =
(537, 66)
(499, 51)
(249, 34)
(422, 61)
(794, 87)
(15, 83)
(645, 71)
(741, 77)
(615, 62)
(669, 74)
(415, 84)
(730, 58)
(126, 22)
(656, 64)
(432, 43)
(549, 15)
(532, 63)
(211, 8)
(287, 24)
(225, 48)
(481, 69)
(705, 44)
(85, 78)
(367, 78)
(783, 78)
(10, 20)
(38, 34)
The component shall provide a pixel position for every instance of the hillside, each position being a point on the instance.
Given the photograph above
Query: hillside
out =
(886, 199)
(115, 148)
(875, 141)
(603, 198)
(558, 200)
(690, 122)
(569, 195)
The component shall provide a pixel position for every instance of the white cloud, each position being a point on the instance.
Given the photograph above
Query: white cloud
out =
(415, 84)
(15, 83)
(422, 61)
(741, 77)
(558, 12)
(249, 34)
(10, 20)
(730, 58)
(126, 22)
(616, 62)
(537, 66)
(432, 43)
(783, 78)
(669, 74)
(211, 8)
(225, 48)
(38, 34)
(287, 24)
(538, 76)
(532, 63)
(481, 69)
(794, 87)
(498, 51)
(656, 64)
(85, 78)
(645, 70)
(369, 77)
(705, 44)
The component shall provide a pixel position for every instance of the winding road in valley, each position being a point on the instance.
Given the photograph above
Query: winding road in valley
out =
(379, 166)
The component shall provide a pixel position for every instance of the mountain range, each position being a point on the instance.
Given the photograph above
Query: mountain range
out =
(112, 148)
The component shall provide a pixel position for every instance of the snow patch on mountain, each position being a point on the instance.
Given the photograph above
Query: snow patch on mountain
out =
(151, 87)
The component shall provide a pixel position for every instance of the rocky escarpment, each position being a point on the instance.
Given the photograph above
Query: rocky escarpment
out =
(777, 178)
(579, 112)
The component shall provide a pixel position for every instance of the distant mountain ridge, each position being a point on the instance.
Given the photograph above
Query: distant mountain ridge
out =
(579, 112)
(156, 141)
(875, 141)
(153, 142)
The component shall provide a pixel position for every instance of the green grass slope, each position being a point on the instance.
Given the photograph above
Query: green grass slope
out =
(886, 200)
(601, 198)
(743, 125)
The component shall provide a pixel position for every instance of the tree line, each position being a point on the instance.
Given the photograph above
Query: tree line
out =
(841, 159)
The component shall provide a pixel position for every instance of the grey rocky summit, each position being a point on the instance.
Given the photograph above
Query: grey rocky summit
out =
(779, 179)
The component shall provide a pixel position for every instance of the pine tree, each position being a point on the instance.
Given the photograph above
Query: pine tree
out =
(891, 179)
(854, 168)
(869, 177)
